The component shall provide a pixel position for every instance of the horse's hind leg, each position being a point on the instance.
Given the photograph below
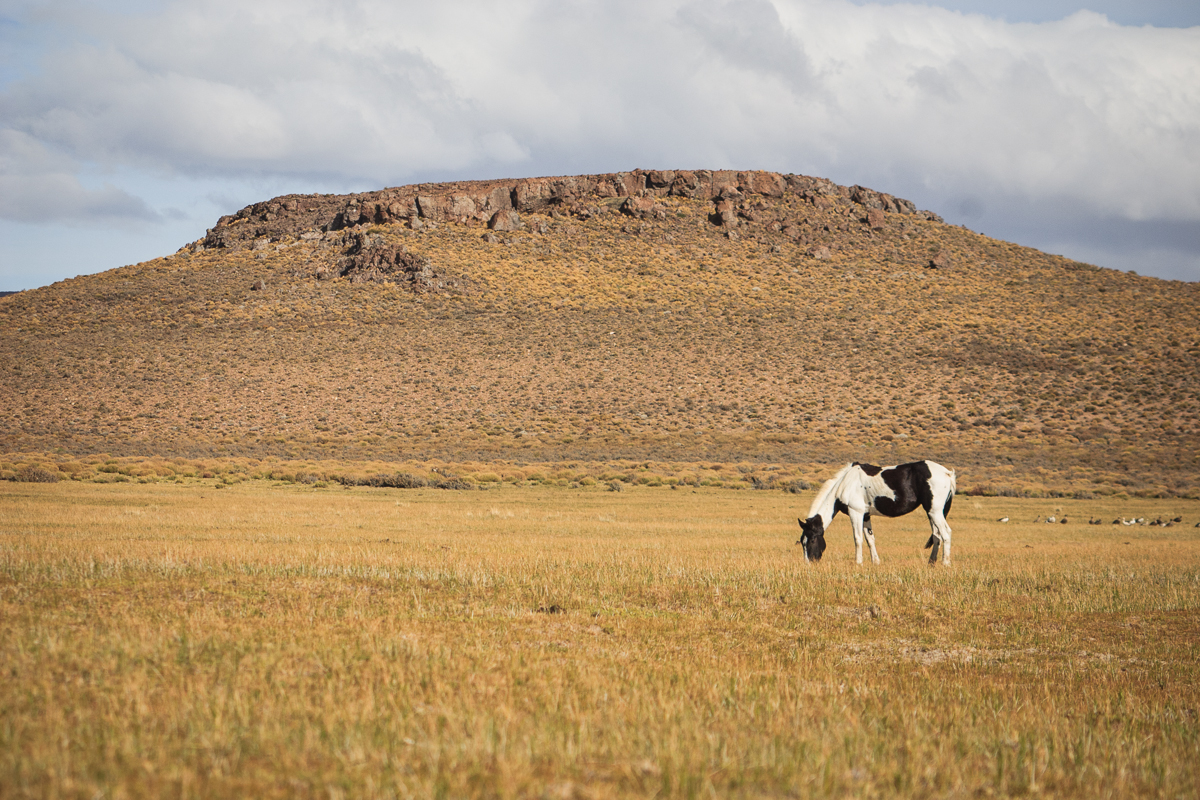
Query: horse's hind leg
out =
(945, 542)
(940, 536)
(870, 534)
(935, 540)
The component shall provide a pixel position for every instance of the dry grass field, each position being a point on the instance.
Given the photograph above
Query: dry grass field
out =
(281, 639)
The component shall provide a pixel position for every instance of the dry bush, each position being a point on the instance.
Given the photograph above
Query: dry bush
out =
(35, 473)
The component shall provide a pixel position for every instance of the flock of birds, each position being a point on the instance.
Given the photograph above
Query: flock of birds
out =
(1160, 522)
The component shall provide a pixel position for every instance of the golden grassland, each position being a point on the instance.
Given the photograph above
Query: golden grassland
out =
(280, 639)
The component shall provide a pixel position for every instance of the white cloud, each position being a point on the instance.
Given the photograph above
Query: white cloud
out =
(953, 110)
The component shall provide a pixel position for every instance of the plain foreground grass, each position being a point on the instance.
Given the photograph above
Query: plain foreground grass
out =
(274, 640)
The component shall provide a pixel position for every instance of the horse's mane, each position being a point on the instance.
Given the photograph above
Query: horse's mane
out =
(827, 488)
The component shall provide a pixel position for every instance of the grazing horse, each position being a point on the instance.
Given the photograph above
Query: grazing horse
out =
(859, 489)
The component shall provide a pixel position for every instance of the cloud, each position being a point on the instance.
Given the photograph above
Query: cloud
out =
(959, 112)
(748, 35)
(1163, 13)
(37, 185)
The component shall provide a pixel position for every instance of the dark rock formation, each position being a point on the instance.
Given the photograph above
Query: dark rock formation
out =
(738, 200)
(505, 221)
(370, 259)
(643, 208)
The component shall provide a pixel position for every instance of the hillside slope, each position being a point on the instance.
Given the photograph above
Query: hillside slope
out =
(673, 315)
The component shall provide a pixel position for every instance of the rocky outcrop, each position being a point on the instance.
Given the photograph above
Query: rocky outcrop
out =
(643, 208)
(939, 260)
(370, 259)
(505, 221)
(739, 198)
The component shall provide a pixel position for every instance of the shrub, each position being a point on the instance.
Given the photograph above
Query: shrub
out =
(398, 480)
(36, 473)
(454, 483)
(403, 480)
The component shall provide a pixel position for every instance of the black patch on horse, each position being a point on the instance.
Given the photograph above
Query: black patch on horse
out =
(870, 469)
(910, 484)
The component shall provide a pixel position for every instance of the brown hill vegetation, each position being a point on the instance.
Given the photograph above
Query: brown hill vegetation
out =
(731, 317)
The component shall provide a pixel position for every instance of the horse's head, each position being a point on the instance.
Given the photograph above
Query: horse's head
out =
(812, 538)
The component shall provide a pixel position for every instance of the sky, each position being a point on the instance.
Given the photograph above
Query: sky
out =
(127, 127)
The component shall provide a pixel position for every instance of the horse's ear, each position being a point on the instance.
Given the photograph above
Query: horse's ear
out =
(800, 521)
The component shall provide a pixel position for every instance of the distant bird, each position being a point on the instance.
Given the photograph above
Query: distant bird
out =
(1050, 519)
(1002, 519)
(1037, 519)
(1177, 519)
(1063, 521)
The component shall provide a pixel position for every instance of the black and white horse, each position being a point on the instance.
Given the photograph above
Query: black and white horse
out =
(859, 489)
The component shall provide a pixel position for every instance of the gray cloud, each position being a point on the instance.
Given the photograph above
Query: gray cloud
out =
(749, 34)
(37, 185)
(968, 115)
(1163, 13)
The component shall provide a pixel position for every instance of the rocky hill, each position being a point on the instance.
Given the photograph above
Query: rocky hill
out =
(697, 316)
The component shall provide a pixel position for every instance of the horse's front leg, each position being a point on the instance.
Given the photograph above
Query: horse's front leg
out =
(856, 523)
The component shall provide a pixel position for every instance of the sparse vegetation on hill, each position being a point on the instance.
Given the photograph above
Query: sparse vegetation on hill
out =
(651, 316)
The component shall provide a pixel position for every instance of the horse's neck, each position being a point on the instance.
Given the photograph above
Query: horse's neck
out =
(826, 509)
(825, 504)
